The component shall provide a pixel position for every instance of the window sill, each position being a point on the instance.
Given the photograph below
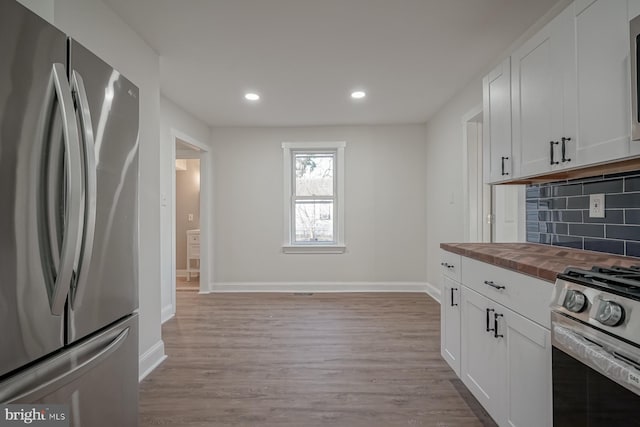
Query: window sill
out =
(314, 249)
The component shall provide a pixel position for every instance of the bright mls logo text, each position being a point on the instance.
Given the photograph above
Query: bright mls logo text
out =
(27, 416)
(42, 415)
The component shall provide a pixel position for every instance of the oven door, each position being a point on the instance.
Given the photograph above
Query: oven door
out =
(596, 377)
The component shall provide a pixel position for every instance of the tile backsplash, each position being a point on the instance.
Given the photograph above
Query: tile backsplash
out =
(558, 214)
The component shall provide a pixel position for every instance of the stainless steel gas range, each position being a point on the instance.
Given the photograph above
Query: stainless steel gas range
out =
(595, 333)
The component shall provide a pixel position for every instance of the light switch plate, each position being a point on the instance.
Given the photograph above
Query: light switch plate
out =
(596, 206)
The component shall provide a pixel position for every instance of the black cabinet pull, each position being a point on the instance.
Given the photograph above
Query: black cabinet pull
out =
(495, 325)
(551, 144)
(502, 160)
(489, 310)
(493, 285)
(452, 304)
(564, 149)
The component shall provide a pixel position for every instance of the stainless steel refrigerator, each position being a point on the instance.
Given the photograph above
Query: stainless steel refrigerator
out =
(68, 225)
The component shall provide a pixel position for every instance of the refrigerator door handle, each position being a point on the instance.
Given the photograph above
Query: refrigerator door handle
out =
(45, 379)
(89, 188)
(73, 233)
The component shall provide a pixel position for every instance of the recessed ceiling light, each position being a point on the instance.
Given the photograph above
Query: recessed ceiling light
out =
(358, 94)
(251, 96)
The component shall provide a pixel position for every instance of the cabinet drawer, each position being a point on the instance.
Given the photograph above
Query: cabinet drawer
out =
(450, 264)
(194, 251)
(194, 238)
(521, 293)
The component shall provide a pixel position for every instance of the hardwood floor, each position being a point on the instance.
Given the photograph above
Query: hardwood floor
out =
(192, 285)
(306, 360)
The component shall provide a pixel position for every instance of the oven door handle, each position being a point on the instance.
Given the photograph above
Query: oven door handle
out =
(597, 357)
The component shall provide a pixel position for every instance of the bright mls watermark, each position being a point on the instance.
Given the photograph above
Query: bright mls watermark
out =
(37, 415)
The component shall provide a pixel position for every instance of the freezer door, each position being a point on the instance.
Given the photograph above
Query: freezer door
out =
(107, 270)
(97, 378)
(33, 168)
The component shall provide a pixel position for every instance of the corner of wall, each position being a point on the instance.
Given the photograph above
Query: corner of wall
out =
(433, 291)
(167, 313)
(151, 359)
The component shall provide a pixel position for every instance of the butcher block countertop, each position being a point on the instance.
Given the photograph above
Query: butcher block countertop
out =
(541, 261)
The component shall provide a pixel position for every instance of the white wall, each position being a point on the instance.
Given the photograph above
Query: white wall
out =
(445, 207)
(173, 119)
(99, 29)
(385, 225)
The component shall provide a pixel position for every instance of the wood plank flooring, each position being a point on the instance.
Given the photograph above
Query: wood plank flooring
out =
(192, 285)
(306, 360)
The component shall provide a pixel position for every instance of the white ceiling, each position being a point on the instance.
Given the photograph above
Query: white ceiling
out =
(304, 57)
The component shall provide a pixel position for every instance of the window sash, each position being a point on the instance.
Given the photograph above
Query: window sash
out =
(295, 154)
(337, 150)
(314, 218)
(295, 198)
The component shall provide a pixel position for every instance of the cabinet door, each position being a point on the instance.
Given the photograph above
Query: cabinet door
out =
(544, 96)
(483, 356)
(450, 323)
(497, 123)
(602, 76)
(528, 370)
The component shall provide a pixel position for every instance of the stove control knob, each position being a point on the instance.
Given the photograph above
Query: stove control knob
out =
(610, 313)
(575, 301)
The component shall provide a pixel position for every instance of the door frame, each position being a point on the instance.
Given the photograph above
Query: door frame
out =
(201, 152)
(471, 117)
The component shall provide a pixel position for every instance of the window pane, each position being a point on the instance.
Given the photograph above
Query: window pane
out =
(314, 174)
(314, 221)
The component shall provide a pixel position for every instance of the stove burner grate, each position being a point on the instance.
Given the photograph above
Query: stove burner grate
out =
(622, 279)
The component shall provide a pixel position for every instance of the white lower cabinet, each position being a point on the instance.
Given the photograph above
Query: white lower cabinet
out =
(503, 357)
(483, 354)
(528, 397)
(450, 323)
(506, 362)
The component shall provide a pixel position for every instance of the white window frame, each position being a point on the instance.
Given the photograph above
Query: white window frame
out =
(290, 246)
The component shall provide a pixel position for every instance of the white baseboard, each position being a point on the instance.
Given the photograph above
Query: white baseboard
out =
(208, 291)
(167, 313)
(151, 359)
(434, 292)
(319, 287)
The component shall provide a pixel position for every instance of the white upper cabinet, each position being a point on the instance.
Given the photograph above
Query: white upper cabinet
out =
(570, 93)
(543, 98)
(497, 123)
(634, 10)
(602, 76)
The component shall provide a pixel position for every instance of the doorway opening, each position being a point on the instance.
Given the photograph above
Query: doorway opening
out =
(478, 224)
(187, 218)
(493, 213)
(191, 217)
